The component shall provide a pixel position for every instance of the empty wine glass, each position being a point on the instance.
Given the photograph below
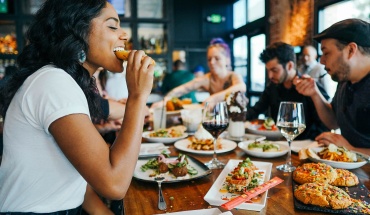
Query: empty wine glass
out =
(291, 122)
(215, 120)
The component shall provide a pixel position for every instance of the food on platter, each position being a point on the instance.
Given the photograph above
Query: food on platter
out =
(176, 104)
(323, 195)
(265, 146)
(174, 131)
(122, 54)
(179, 167)
(345, 178)
(334, 153)
(202, 140)
(243, 177)
(314, 172)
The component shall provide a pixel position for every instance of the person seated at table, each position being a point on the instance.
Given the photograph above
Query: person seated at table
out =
(219, 81)
(51, 147)
(178, 77)
(280, 62)
(316, 70)
(346, 56)
(198, 71)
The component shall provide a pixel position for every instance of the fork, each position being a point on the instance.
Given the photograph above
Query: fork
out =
(161, 202)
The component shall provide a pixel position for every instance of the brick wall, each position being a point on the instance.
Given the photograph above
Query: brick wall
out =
(291, 21)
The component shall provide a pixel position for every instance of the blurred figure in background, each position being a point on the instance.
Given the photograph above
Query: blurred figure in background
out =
(280, 61)
(198, 71)
(178, 77)
(316, 70)
(219, 81)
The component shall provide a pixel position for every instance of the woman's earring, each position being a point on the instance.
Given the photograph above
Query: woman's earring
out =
(82, 56)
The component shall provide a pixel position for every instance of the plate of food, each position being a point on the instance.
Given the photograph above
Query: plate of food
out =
(173, 169)
(227, 187)
(265, 128)
(264, 149)
(337, 157)
(168, 135)
(195, 146)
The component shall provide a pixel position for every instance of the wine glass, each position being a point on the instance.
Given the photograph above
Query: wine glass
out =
(291, 123)
(215, 120)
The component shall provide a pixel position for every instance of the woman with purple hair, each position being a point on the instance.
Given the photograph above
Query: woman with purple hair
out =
(219, 81)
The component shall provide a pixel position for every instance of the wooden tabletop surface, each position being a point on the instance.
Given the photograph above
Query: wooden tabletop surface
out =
(142, 197)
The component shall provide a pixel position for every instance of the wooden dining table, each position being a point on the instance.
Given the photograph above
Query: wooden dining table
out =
(142, 196)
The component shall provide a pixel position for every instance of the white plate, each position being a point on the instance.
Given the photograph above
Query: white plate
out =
(152, 149)
(246, 137)
(162, 139)
(211, 211)
(301, 144)
(215, 197)
(342, 165)
(227, 145)
(283, 149)
(170, 178)
(271, 135)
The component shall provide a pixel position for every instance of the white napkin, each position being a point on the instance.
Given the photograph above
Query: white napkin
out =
(153, 149)
(226, 213)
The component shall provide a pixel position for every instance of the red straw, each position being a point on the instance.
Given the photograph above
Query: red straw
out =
(251, 193)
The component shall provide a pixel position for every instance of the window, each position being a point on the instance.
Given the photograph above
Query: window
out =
(150, 9)
(240, 52)
(256, 9)
(343, 10)
(240, 11)
(258, 73)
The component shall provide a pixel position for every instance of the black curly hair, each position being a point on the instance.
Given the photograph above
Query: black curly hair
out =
(57, 35)
(282, 51)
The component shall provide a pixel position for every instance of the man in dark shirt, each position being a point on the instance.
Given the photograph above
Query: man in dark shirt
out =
(280, 61)
(346, 56)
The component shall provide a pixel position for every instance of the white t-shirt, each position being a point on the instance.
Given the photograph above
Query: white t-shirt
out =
(35, 176)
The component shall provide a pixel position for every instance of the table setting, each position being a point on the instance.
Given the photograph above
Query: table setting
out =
(205, 194)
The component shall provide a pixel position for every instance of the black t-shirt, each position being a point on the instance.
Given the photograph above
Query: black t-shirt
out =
(351, 105)
(270, 102)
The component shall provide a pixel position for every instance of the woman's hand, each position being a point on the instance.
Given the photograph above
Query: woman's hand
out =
(139, 74)
(327, 137)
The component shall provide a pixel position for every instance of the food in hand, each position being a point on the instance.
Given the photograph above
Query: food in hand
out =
(315, 173)
(345, 178)
(243, 177)
(263, 147)
(122, 54)
(323, 195)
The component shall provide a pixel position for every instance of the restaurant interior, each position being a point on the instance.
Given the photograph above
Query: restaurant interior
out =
(170, 30)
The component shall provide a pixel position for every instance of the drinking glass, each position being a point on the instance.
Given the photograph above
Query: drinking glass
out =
(215, 120)
(291, 122)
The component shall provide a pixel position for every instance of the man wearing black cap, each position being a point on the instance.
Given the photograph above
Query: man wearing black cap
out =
(346, 56)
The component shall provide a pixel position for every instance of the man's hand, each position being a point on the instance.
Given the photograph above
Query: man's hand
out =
(327, 137)
(305, 85)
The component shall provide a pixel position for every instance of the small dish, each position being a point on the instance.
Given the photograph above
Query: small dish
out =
(271, 135)
(164, 140)
(227, 145)
(215, 197)
(363, 159)
(283, 150)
